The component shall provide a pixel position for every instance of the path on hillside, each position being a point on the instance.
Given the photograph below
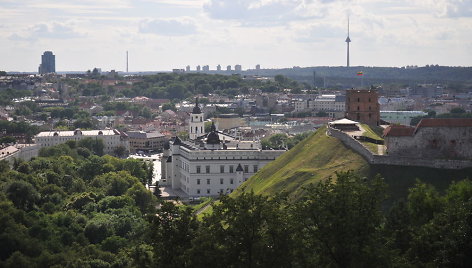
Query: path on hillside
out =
(199, 211)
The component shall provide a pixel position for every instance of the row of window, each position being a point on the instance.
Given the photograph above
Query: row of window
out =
(255, 168)
(208, 181)
(208, 191)
(358, 100)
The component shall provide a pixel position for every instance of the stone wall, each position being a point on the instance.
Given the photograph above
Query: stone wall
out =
(396, 160)
(351, 143)
(433, 143)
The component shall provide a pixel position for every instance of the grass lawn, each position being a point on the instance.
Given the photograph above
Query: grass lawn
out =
(372, 132)
(314, 159)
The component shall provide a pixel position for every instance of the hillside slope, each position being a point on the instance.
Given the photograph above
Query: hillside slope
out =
(313, 159)
(320, 156)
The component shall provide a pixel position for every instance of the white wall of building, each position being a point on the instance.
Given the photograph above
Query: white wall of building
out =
(111, 138)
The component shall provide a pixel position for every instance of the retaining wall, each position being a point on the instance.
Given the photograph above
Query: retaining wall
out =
(396, 160)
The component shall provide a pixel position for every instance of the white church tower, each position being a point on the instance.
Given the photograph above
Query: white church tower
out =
(196, 124)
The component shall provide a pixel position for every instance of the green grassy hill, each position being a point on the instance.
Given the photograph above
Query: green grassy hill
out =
(313, 159)
(319, 157)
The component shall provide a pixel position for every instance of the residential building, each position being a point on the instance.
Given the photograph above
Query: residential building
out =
(146, 141)
(228, 121)
(301, 106)
(329, 103)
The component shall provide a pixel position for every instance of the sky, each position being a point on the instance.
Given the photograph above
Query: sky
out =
(161, 35)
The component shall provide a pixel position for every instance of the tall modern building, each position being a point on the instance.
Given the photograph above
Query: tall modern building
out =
(48, 63)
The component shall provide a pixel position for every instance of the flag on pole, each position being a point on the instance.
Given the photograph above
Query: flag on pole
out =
(360, 73)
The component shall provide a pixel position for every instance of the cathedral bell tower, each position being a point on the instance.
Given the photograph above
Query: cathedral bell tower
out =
(196, 123)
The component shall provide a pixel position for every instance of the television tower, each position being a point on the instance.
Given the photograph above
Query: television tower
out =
(126, 61)
(348, 40)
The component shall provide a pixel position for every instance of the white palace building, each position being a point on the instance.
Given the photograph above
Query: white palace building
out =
(112, 138)
(211, 164)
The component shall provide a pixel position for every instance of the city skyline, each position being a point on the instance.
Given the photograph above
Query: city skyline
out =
(162, 34)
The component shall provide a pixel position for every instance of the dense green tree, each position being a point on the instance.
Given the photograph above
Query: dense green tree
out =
(246, 231)
(22, 194)
(339, 223)
(168, 106)
(172, 232)
(7, 139)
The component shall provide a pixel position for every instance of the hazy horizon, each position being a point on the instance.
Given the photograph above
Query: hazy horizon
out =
(161, 35)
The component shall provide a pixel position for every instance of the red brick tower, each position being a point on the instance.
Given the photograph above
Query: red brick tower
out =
(363, 106)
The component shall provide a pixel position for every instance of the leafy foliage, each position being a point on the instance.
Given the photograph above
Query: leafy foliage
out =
(74, 211)
(64, 209)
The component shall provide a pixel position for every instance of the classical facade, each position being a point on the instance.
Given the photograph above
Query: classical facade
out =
(212, 164)
(363, 106)
(431, 139)
(112, 138)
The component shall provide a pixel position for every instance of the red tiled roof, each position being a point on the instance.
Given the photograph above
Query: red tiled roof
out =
(398, 131)
(445, 122)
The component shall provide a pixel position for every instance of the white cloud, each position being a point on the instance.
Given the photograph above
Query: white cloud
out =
(55, 30)
(282, 33)
(170, 27)
(449, 8)
(262, 12)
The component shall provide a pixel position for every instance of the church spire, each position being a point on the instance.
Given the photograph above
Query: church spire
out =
(196, 109)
